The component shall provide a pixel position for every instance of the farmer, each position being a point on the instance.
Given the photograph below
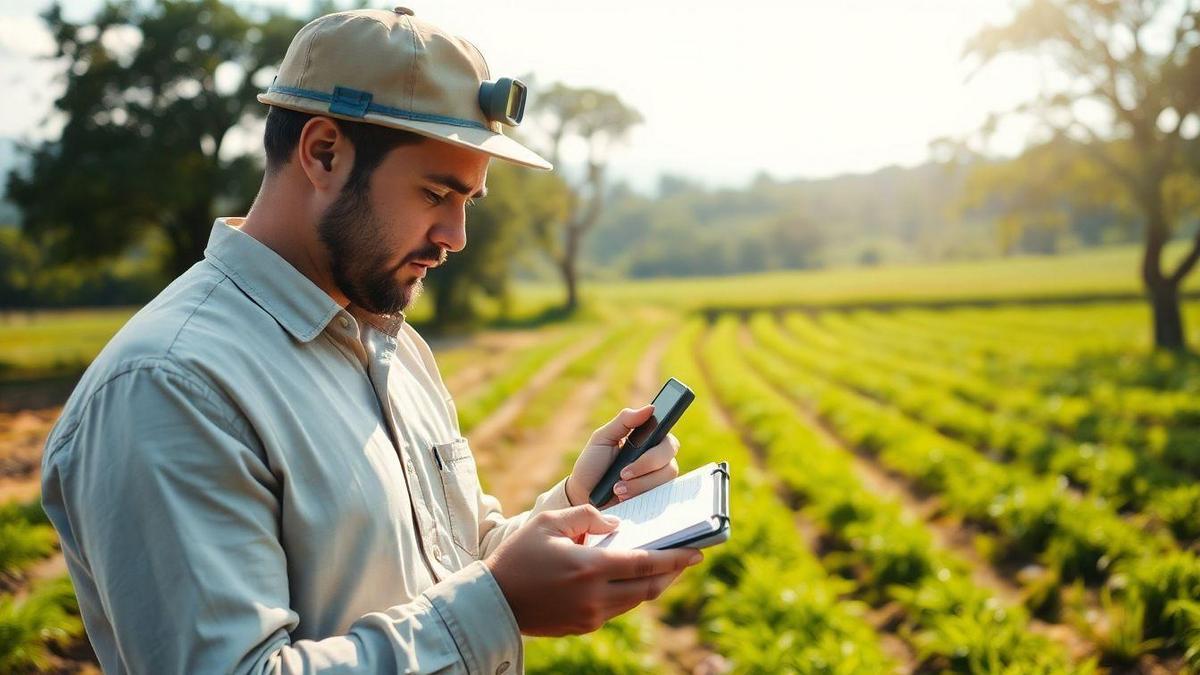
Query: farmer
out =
(263, 471)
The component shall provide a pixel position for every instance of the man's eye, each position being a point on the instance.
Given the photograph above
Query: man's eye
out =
(433, 197)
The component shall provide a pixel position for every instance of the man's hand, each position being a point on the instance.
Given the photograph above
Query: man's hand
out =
(650, 470)
(558, 587)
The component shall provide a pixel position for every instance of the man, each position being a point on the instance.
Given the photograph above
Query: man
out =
(263, 471)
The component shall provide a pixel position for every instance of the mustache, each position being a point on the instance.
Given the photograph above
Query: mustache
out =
(432, 255)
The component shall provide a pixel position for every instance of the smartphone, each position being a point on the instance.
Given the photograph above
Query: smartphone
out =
(669, 405)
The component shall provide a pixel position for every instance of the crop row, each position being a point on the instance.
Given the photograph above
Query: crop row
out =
(46, 614)
(1032, 516)
(761, 599)
(1149, 403)
(1116, 375)
(952, 624)
(621, 645)
(525, 364)
(1112, 471)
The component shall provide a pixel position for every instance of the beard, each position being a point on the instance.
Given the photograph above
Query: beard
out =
(354, 236)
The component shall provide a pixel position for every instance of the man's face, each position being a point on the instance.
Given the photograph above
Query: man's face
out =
(411, 214)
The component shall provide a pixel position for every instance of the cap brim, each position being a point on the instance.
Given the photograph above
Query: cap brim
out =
(483, 140)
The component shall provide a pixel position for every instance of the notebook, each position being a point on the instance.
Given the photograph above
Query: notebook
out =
(692, 510)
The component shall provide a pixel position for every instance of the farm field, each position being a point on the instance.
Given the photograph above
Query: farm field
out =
(917, 489)
(37, 344)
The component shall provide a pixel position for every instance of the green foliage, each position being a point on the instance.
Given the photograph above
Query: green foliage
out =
(25, 538)
(886, 554)
(145, 126)
(892, 215)
(48, 343)
(525, 365)
(29, 626)
(520, 205)
(27, 280)
(600, 121)
(762, 599)
(1050, 197)
(619, 647)
(791, 618)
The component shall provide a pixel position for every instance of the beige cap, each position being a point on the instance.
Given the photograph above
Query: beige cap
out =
(392, 69)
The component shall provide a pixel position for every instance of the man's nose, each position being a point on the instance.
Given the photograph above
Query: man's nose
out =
(451, 232)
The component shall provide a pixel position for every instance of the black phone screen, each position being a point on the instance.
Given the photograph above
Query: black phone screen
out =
(667, 399)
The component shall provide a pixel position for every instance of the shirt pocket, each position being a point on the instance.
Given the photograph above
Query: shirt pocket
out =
(460, 489)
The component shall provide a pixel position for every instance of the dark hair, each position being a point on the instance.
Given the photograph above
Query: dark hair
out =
(371, 142)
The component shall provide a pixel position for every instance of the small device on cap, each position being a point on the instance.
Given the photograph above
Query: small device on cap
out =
(503, 100)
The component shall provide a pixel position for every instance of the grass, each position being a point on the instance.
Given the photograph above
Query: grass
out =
(1098, 272)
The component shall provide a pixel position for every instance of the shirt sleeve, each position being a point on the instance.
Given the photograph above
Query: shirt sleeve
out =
(170, 518)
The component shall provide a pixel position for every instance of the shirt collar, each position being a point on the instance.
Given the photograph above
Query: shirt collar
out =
(291, 298)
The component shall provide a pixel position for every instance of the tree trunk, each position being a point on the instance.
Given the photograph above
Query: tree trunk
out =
(451, 305)
(1168, 321)
(566, 269)
(1162, 290)
(569, 265)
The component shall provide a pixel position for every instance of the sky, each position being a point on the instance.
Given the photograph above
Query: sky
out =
(796, 89)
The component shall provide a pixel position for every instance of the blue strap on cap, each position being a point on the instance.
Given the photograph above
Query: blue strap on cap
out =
(352, 102)
(357, 103)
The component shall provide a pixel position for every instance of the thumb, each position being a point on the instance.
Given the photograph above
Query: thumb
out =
(619, 427)
(580, 520)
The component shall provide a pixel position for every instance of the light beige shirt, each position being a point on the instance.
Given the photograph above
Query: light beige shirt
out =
(250, 478)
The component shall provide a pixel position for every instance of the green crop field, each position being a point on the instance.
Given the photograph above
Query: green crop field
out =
(957, 468)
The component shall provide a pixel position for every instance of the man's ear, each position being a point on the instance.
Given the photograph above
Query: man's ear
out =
(325, 154)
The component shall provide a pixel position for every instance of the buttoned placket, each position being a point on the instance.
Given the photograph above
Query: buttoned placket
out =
(377, 364)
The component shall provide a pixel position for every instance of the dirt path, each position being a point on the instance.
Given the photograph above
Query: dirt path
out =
(649, 379)
(495, 348)
(22, 435)
(533, 458)
(948, 535)
(678, 646)
(492, 428)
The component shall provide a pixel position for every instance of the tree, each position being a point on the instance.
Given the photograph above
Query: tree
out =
(1129, 95)
(520, 205)
(600, 120)
(152, 93)
(1051, 192)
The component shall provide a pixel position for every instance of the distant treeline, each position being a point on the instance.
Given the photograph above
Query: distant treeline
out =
(924, 213)
(28, 280)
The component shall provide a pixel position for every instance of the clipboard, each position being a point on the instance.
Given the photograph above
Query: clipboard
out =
(720, 512)
(650, 520)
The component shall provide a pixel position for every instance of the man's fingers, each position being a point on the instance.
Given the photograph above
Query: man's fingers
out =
(620, 426)
(629, 593)
(640, 563)
(636, 486)
(580, 520)
(654, 459)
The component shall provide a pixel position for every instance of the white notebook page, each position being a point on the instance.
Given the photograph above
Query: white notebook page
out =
(672, 507)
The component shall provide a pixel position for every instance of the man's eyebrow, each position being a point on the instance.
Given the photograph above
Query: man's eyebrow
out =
(457, 185)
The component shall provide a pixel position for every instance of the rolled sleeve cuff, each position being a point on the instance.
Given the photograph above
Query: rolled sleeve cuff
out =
(478, 618)
(554, 498)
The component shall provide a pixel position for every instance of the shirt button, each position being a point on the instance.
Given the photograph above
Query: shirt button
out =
(503, 667)
(408, 465)
(344, 321)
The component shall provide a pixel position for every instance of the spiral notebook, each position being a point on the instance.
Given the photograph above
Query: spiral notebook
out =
(692, 511)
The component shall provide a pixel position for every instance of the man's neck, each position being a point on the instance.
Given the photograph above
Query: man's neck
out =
(279, 221)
